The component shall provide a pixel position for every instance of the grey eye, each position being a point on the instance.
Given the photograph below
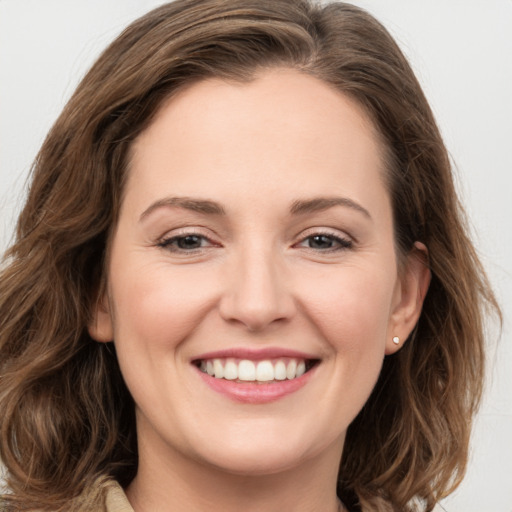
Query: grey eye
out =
(321, 242)
(185, 243)
(326, 242)
(189, 242)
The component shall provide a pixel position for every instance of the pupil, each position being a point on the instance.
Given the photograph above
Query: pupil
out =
(189, 242)
(320, 242)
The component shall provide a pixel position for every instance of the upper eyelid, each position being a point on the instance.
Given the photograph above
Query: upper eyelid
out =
(170, 238)
(343, 241)
(167, 243)
(188, 231)
(334, 232)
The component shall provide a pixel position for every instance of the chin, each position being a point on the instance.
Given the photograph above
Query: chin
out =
(255, 461)
(260, 452)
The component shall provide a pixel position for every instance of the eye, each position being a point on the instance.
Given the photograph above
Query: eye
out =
(185, 243)
(325, 242)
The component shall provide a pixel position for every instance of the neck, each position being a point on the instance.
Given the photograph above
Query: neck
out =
(181, 484)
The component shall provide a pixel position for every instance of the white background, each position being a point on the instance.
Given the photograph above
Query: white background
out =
(462, 53)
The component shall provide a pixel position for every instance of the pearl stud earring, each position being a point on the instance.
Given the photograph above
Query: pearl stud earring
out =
(396, 340)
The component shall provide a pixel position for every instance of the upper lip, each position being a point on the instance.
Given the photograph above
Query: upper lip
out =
(255, 354)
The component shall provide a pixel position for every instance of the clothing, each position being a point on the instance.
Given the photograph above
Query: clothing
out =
(113, 499)
(104, 496)
(116, 500)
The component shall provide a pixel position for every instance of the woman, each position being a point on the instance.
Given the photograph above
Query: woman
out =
(241, 279)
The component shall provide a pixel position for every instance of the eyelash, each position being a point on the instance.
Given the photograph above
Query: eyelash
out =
(167, 243)
(341, 242)
(171, 244)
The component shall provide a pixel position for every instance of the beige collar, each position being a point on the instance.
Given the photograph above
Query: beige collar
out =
(115, 499)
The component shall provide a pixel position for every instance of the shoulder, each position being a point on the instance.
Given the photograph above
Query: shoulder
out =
(104, 495)
(116, 500)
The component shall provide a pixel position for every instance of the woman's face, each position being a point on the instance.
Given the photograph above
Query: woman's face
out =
(255, 243)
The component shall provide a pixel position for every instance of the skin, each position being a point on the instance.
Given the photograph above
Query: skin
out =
(257, 279)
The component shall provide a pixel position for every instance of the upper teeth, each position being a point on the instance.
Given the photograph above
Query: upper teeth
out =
(257, 371)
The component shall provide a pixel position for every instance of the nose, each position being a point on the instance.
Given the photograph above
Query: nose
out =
(256, 293)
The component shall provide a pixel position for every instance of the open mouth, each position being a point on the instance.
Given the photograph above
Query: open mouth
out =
(259, 372)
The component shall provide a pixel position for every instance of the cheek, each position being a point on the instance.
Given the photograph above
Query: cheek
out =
(353, 310)
(157, 307)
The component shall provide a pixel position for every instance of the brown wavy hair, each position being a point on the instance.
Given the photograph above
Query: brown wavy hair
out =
(66, 415)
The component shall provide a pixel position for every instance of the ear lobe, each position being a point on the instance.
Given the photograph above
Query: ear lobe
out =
(412, 288)
(100, 326)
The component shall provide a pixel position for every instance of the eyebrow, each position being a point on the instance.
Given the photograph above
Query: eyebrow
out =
(319, 204)
(299, 207)
(188, 203)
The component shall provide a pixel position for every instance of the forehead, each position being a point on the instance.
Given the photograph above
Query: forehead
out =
(278, 96)
(284, 123)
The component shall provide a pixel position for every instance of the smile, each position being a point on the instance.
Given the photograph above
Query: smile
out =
(256, 376)
(262, 371)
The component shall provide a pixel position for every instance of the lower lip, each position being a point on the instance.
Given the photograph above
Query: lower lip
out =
(253, 393)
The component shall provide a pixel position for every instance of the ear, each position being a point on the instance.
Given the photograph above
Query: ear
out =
(412, 286)
(100, 326)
